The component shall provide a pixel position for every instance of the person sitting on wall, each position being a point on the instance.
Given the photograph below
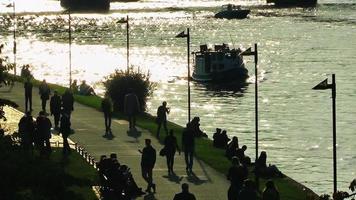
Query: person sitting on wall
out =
(85, 89)
(216, 136)
(195, 127)
(232, 148)
(240, 153)
(262, 170)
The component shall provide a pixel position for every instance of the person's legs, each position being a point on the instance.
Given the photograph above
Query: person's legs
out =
(158, 129)
(48, 146)
(30, 101)
(43, 103)
(56, 120)
(26, 102)
(191, 158)
(165, 126)
(186, 155)
(106, 122)
(66, 147)
(109, 121)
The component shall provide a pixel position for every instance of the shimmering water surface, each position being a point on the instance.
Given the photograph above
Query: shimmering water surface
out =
(297, 49)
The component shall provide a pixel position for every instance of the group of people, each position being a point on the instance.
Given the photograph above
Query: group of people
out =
(82, 89)
(220, 139)
(117, 178)
(39, 132)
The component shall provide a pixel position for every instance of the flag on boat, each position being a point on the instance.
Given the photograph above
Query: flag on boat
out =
(248, 52)
(323, 85)
(181, 35)
(123, 20)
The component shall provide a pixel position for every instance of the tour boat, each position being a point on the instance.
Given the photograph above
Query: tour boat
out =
(220, 64)
(97, 5)
(231, 11)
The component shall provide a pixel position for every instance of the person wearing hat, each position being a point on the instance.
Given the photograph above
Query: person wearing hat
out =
(148, 161)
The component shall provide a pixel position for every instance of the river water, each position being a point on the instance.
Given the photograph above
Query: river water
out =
(298, 48)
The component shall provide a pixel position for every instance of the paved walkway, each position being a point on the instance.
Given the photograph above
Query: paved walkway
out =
(89, 130)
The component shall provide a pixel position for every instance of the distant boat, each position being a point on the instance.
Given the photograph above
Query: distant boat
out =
(219, 65)
(291, 3)
(98, 5)
(231, 11)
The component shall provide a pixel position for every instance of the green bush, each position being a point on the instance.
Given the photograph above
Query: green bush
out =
(5, 66)
(118, 84)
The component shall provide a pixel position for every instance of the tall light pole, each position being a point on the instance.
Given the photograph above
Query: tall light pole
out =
(70, 47)
(187, 35)
(248, 52)
(323, 86)
(127, 41)
(14, 31)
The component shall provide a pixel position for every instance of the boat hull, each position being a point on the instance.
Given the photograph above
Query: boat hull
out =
(234, 14)
(97, 5)
(233, 75)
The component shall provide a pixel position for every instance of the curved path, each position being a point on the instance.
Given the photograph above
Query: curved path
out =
(206, 183)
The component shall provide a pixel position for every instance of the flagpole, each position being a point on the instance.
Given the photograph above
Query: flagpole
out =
(70, 48)
(14, 50)
(188, 47)
(127, 43)
(334, 131)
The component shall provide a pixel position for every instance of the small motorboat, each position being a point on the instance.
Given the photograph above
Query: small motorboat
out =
(231, 11)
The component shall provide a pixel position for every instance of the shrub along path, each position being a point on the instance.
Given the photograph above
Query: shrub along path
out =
(88, 124)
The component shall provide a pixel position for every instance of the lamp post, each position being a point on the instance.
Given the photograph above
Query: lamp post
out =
(187, 35)
(70, 47)
(323, 86)
(127, 41)
(248, 52)
(14, 31)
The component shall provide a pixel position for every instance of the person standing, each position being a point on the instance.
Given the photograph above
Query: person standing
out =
(185, 194)
(107, 108)
(188, 144)
(55, 108)
(65, 130)
(44, 126)
(44, 92)
(28, 94)
(26, 130)
(148, 161)
(67, 102)
(236, 175)
(170, 146)
(162, 112)
(131, 108)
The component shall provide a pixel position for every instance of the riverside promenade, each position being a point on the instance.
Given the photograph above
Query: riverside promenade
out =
(88, 123)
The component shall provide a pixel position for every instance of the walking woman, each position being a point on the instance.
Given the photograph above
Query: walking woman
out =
(170, 146)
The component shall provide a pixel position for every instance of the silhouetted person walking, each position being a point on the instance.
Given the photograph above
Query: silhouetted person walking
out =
(28, 94)
(270, 192)
(55, 108)
(185, 194)
(26, 131)
(171, 146)
(188, 144)
(65, 130)
(162, 112)
(107, 108)
(44, 126)
(148, 161)
(131, 108)
(44, 92)
(67, 102)
(236, 174)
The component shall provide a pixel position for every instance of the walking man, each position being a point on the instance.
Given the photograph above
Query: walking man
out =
(171, 146)
(44, 126)
(188, 144)
(26, 130)
(55, 108)
(131, 108)
(28, 94)
(107, 107)
(44, 92)
(148, 161)
(162, 112)
(67, 102)
(185, 194)
(65, 130)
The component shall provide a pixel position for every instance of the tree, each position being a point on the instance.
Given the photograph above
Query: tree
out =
(5, 78)
(118, 84)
